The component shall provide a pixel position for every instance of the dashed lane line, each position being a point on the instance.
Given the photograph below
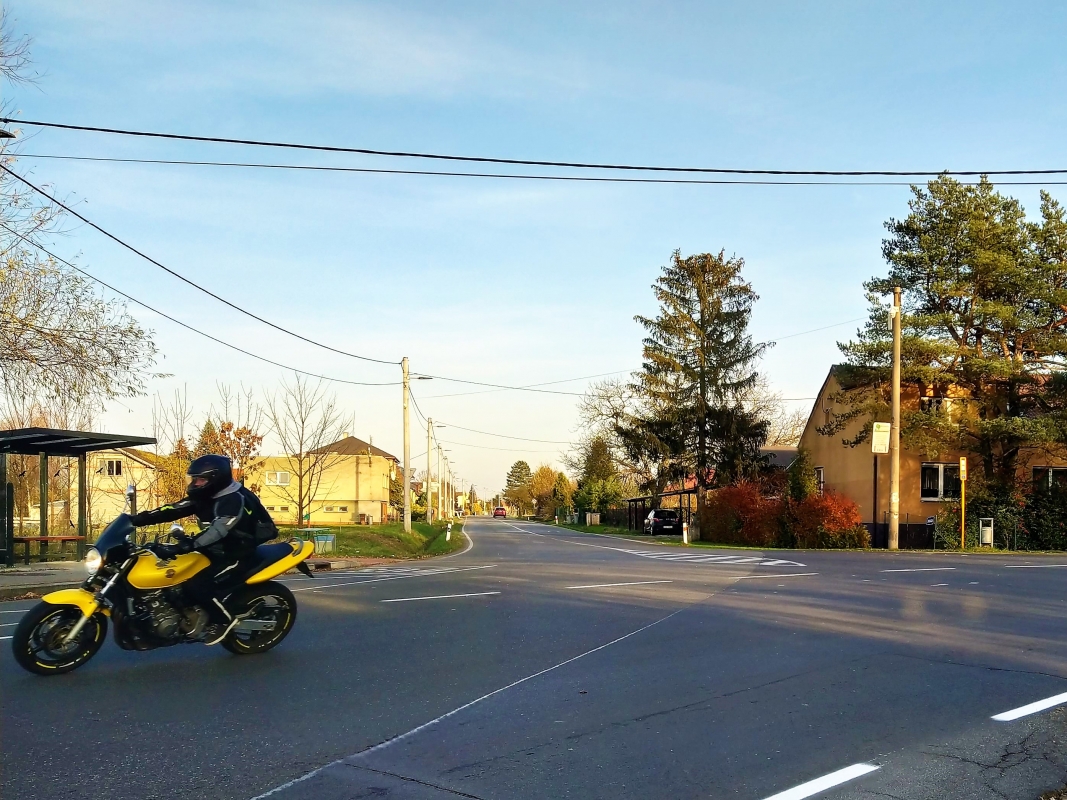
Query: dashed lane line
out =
(1031, 708)
(825, 782)
(777, 575)
(437, 597)
(317, 587)
(605, 585)
(919, 569)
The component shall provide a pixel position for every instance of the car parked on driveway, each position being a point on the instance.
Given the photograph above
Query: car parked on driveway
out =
(500, 511)
(663, 521)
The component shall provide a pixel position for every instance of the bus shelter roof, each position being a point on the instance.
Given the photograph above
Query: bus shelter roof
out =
(55, 442)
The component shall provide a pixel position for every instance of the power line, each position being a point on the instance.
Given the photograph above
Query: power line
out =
(531, 386)
(500, 386)
(816, 330)
(181, 277)
(507, 176)
(501, 435)
(517, 161)
(503, 449)
(183, 324)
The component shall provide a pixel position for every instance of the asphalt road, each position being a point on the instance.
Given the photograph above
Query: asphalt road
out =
(512, 671)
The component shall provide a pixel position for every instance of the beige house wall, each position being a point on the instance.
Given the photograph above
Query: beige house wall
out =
(858, 474)
(352, 485)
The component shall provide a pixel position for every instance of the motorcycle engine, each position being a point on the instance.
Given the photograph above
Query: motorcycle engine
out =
(163, 618)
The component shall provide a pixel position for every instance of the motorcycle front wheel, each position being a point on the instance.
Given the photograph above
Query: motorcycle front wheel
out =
(268, 611)
(38, 641)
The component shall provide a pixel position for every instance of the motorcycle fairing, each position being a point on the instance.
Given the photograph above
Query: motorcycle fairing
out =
(84, 600)
(300, 551)
(151, 573)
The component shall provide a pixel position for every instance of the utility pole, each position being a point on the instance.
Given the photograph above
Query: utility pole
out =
(440, 499)
(894, 433)
(429, 454)
(407, 446)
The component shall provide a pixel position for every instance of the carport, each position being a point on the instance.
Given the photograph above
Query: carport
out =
(46, 443)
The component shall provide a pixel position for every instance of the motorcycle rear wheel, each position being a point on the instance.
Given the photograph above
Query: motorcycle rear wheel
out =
(268, 602)
(38, 640)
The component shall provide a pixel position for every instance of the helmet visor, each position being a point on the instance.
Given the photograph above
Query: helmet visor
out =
(196, 482)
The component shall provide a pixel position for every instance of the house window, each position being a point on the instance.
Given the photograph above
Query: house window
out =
(113, 467)
(283, 508)
(270, 508)
(343, 509)
(820, 479)
(1050, 477)
(939, 482)
(335, 509)
(328, 509)
(935, 405)
(277, 479)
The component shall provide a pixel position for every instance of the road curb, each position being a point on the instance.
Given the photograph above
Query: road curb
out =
(37, 589)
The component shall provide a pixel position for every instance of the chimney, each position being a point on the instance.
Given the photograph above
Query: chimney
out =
(344, 434)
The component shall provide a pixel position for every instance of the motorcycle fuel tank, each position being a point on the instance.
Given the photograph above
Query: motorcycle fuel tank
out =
(151, 573)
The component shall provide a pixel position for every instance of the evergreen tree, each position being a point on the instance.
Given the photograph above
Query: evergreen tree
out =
(698, 363)
(598, 464)
(984, 324)
(561, 491)
(517, 486)
(208, 441)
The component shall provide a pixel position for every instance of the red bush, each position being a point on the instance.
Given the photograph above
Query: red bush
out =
(827, 520)
(740, 514)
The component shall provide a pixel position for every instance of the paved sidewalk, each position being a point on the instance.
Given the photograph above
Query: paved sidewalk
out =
(39, 578)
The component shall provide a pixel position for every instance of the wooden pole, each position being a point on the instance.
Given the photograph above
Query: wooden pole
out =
(83, 526)
(43, 484)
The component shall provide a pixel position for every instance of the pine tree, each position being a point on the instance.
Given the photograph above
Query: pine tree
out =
(517, 486)
(984, 324)
(698, 363)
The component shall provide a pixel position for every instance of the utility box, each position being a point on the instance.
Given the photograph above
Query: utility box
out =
(985, 530)
(592, 518)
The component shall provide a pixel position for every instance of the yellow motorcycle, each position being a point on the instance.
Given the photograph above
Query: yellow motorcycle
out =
(142, 595)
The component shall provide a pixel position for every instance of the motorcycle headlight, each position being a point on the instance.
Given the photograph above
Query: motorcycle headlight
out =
(93, 560)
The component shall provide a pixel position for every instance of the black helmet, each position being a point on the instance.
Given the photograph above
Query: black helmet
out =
(208, 475)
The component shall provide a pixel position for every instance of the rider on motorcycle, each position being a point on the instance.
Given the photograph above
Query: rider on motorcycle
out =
(233, 523)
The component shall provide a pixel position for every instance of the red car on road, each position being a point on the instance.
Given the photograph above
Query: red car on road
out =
(500, 511)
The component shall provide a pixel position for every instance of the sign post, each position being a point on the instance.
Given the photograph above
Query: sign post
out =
(880, 438)
(963, 502)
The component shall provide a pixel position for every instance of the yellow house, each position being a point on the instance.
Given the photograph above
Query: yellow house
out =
(110, 473)
(344, 483)
(925, 483)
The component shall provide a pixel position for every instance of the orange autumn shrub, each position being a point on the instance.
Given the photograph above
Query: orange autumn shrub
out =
(740, 514)
(827, 520)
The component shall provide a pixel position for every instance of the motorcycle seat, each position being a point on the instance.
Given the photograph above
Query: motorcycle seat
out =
(271, 553)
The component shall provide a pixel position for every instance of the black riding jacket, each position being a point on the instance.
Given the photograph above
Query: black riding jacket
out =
(233, 521)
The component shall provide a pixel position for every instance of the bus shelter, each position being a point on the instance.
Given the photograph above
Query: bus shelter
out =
(48, 443)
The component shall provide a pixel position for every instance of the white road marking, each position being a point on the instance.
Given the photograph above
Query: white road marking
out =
(449, 571)
(20, 611)
(438, 597)
(939, 584)
(1032, 566)
(919, 569)
(4, 637)
(604, 585)
(8, 624)
(1032, 708)
(784, 575)
(671, 554)
(464, 707)
(825, 782)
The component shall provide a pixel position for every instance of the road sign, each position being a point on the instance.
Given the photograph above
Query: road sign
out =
(880, 437)
(963, 468)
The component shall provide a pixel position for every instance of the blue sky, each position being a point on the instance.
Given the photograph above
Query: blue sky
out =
(508, 281)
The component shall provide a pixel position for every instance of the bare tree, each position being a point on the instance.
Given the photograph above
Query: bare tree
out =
(784, 426)
(306, 420)
(59, 337)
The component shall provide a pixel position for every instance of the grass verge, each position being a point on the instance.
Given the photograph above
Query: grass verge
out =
(391, 541)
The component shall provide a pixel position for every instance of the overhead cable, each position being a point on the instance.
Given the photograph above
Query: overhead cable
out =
(500, 175)
(516, 161)
(154, 310)
(502, 435)
(181, 277)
